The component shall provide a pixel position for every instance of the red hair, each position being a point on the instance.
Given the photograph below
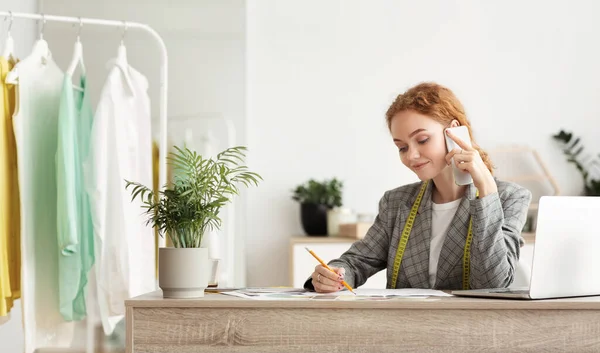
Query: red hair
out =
(440, 104)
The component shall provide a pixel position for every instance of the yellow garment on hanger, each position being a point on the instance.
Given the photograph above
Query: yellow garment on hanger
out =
(10, 217)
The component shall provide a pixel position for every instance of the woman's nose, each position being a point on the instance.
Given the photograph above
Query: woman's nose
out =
(414, 153)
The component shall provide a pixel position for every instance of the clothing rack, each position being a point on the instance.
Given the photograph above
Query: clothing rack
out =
(164, 61)
(126, 25)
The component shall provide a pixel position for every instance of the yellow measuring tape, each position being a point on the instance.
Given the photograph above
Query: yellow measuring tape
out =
(406, 233)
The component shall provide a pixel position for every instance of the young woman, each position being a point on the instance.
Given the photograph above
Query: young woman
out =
(434, 233)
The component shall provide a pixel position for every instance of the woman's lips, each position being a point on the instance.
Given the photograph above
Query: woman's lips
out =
(419, 166)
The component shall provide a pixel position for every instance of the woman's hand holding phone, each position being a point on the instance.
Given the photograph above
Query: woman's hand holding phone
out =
(467, 159)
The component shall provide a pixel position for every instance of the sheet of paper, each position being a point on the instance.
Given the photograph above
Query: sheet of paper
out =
(352, 297)
(390, 293)
(275, 293)
(265, 290)
(403, 292)
(268, 296)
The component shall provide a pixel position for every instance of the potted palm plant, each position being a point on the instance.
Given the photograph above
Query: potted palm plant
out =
(189, 208)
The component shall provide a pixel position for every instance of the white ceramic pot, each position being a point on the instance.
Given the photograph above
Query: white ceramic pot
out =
(183, 272)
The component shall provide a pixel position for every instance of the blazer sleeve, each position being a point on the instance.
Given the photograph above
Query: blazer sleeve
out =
(498, 219)
(367, 256)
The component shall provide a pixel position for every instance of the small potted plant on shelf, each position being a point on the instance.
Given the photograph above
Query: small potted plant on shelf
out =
(316, 198)
(188, 209)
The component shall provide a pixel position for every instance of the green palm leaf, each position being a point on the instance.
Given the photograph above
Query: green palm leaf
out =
(200, 188)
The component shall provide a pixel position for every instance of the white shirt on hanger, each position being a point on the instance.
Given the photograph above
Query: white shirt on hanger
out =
(120, 149)
(441, 217)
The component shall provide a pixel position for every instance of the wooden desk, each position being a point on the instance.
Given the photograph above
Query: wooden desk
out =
(221, 323)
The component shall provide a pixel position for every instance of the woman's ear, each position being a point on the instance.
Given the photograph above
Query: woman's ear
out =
(454, 123)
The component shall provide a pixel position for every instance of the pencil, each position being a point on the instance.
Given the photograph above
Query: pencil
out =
(329, 268)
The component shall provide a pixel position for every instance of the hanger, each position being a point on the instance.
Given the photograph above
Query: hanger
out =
(39, 52)
(122, 51)
(77, 57)
(40, 48)
(9, 46)
(77, 53)
(121, 59)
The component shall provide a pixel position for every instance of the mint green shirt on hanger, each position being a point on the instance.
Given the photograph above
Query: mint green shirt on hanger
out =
(74, 222)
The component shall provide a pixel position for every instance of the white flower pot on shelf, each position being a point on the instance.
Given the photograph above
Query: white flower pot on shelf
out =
(183, 272)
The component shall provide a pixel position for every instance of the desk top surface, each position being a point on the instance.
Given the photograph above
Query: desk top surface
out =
(217, 300)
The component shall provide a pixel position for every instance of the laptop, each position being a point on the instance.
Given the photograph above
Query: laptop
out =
(566, 254)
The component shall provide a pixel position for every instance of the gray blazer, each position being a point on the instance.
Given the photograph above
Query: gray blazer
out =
(498, 219)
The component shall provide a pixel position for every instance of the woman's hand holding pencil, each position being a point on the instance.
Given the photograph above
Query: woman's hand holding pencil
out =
(328, 279)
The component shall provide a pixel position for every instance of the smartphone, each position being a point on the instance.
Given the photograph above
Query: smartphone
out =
(460, 177)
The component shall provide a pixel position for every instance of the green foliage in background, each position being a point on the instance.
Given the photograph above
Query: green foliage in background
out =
(201, 187)
(328, 192)
(588, 165)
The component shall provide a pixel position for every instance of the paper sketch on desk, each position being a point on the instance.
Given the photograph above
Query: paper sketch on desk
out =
(267, 290)
(402, 292)
(352, 297)
(268, 296)
(379, 294)
(361, 294)
(269, 293)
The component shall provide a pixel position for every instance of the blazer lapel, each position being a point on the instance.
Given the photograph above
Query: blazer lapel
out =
(416, 256)
(454, 244)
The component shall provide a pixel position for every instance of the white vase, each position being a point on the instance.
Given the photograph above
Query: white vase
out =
(183, 272)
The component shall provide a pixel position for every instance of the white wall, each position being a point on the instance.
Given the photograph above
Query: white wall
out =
(23, 33)
(321, 75)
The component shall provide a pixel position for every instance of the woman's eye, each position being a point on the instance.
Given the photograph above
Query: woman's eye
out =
(424, 141)
(402, 149)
